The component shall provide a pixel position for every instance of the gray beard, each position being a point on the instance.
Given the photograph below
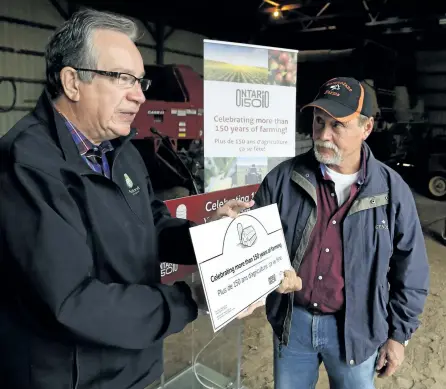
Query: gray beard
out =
(336, 159)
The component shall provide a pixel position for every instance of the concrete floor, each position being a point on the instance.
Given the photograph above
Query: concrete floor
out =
(425, 363)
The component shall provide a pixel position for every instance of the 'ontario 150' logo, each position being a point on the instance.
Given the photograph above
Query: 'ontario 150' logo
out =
(168, 268)
(251, 98)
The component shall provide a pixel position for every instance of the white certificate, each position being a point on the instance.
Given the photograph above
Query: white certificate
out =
(240, 260)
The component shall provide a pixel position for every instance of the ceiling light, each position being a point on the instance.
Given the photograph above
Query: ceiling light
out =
(277, 14)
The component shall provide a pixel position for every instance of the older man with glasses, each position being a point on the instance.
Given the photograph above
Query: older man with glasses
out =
(82, 305)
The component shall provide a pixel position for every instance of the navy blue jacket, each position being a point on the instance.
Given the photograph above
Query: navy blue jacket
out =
(385, 261)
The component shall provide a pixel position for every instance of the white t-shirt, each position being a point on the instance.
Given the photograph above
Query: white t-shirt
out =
(343, 182)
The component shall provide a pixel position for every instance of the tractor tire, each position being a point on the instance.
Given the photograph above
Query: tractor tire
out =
(436, 186)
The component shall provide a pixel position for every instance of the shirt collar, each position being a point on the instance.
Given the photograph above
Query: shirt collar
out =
(84, 145)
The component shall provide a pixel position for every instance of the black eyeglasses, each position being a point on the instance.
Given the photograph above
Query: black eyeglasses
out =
(124, 79)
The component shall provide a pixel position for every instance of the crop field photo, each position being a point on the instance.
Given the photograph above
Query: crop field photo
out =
(232, 63)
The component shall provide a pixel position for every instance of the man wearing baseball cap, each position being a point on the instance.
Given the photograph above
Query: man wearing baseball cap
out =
(355, 240)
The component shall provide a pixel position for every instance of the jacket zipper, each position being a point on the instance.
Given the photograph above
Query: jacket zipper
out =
(118, 151)
(281, 343)
(76, 368)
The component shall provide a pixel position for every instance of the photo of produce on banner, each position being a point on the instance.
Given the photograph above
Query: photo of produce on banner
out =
(282, 68)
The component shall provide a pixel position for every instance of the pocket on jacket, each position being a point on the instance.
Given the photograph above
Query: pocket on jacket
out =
(51, 363)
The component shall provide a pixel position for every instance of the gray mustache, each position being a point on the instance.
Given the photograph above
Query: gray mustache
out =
(326, 144)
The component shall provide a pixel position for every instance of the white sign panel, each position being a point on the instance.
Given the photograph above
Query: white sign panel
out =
(240, 261)
(249, 111)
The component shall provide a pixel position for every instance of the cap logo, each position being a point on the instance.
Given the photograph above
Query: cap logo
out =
(331, 92)
(338, 84)
(347, 97)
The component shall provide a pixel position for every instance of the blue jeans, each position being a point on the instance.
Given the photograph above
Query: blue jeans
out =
(315, 339)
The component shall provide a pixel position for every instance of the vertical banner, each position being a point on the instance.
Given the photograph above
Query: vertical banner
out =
(249, 112)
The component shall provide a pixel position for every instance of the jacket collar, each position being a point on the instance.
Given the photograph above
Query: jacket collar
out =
(46, 112)
(83, 144)
(374, 180)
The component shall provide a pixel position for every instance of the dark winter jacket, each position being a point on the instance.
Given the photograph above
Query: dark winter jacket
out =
(383, 245)
(81, 302)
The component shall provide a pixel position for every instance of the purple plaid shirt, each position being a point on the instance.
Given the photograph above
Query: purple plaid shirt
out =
(95, 156)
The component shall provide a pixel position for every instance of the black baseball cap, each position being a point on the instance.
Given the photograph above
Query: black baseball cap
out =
(343, 98)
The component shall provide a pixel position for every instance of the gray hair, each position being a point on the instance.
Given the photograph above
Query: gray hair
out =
(72, 44)
(362, 120)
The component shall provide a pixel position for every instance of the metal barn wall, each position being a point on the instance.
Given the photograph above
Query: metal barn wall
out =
(181, 40)
(431, 68)
(14, 39)
(25, 27)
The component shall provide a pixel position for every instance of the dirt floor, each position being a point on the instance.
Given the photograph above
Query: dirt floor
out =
(423, 368)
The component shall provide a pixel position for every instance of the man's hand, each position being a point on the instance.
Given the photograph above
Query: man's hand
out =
(231, 208)
(251, 309)
(291, 282)
(198, 295)
(391, 356)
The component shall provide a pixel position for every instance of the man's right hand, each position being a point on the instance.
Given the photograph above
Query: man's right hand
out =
(198, 295)
(291, 282)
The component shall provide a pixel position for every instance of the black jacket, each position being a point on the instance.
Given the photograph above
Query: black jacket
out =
(81, 302)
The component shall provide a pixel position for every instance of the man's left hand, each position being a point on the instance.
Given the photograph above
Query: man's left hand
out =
(391, 356)
(248, 311)
(231, 208)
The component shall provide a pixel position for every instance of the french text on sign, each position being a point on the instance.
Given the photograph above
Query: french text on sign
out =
(240, 261)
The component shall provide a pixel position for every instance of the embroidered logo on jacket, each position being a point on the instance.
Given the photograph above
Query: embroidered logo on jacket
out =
(128, 181)
(382, 226)
(132, 190)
